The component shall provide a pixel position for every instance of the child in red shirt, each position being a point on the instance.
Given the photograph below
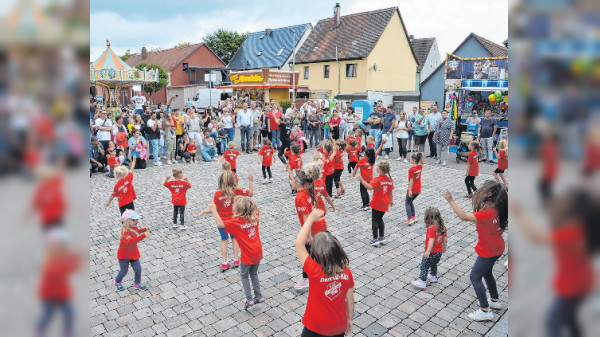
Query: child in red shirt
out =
(338, 165)
(365, 166)
(490, 206)
(230, 156)
(123, 189)
(244, 226)
(414, 186)
(192, 149)
(472, 168)
(330, 306)
(128, 250)
(113, 161)
(265, 155)
(435, 245)
(502, 161)
(48, 198)
(178, 189)
(294, 161)
(327, 151)
(359, 136)
(353, 150)
(314, 171)
(383, 198)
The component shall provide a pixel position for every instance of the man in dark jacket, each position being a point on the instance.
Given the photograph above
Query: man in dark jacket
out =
(284, 126)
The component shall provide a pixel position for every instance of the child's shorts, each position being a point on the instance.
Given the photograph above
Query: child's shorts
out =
(498, 171)
(224, 235)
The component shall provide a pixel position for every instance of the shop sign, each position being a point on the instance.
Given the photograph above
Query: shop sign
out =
(246, 78)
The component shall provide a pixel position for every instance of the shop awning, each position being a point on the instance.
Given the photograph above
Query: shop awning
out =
(485, 85)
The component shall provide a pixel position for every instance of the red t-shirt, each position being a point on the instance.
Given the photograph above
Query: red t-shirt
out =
(304, 207)
(225, 205)
(382, 193)
(113, 162)
(371, 145)
(472, 160)
(359, 141)
(338, 161)
(128, 249)
(322, 150)
(178, 189)
(320, 193)
(438, 239)
(191, 148)
(353, 154)
(591, 156)
(366, 169)
(349, 139)
(246, 234)
(295, 160)
(272, 116)
(49, 200)
(325, 311)
(327, 165)
(231, 157)
(574, 276)
(333, 122)
(55, 284)
(490, 242)
(502, 160)
(415, 173)
(267, 155)
(124, 191)
(549, 161)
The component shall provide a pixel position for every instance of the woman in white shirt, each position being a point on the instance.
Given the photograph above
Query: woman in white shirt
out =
(227, 120)
(403, 127)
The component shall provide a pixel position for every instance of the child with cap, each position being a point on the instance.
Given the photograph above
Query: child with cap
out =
(128, 250)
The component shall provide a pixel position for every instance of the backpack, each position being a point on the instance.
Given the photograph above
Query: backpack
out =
(121, 137)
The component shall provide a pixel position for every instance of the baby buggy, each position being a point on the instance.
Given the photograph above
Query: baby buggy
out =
(462, 150)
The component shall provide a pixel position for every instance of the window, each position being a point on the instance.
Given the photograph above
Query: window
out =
(325, 71)
(398, 106)
(280, 51)
(351, 70)
(306, 72)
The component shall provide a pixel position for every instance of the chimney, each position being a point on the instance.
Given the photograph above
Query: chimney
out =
(144, 53)
(412, 37)
(336, 15)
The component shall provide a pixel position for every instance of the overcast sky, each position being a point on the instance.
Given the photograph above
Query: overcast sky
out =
(131, 24)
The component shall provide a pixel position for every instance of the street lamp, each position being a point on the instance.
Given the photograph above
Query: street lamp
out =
(293, 68)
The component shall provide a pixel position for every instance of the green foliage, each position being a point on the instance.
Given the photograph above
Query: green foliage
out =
(163, 78)
(184, 44)
(126, 56)
(505, 43)
(285, 104)
(224, 43)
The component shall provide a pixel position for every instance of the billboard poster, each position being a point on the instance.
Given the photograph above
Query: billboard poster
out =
(480, 68)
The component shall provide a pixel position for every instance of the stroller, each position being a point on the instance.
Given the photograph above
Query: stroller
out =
(462, 150)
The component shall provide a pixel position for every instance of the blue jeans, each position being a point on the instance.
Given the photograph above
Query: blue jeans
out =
(48, 310)
(137, 270)
(162, 146)
(377, 134)
(223, 145)
(208, 154)
(275, 134)
(139, 111)
(410, 208)
(229, 134)
(314, 134)
(326, 133)
(483, 269)
(245, 136)
(154, 145)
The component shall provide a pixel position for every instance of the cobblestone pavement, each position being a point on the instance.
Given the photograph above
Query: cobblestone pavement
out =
(189, 295)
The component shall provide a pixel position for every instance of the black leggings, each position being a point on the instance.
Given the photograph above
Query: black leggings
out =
(307, 246)
(483, 269)
(336, 132)
(378, 225)
(564, 314)
(402, 148)
(470, 182)
(364, 195)
(351, 166)
(329, 184)
(181, 211)
(266, 169)
(309, 333)
(337, 174)
(123, 208)
(545, 188)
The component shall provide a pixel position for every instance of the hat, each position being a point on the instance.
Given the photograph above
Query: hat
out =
(93, 138)
(130, 214)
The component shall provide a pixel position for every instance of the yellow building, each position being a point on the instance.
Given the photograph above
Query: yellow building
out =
(358, 52)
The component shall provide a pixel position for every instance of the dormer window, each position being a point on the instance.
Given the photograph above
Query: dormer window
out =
(315, 49)
(280, 51)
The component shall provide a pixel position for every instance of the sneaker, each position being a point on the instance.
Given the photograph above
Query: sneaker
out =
(120, 286)
(375, 242)
(420, 284)
(294, 192)
(302, 284)
(182, 226)
(387, 156)
(236, 263)
(270, 180)
(248, 304)
(366, 208)
(506, 264)
(157, 163)
(169, 162)
(405, 161)
(444, 163)
(439, 161)
(382, 240)
(480, 315)
(174, 225)
(399, 159)
(225, 266)
(414, 219)
(140, 287)
(431, 278)
(258, 300)
(266, 181)
(495, 305)
(411, 220)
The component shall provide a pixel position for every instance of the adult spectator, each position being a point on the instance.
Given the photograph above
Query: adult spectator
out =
(375, 119)
(327, 114)
(334, 124)
(344, 123)
(487, 129)
(120, 134)
(389, 123)
(153, 134)
(285, 139)
(195, 128)
(189, 103)
(104, 126)
(295, 117)
(275, 117)
(411, 134)
(138, 123)
(227, 120)
(93, 105)
(444, 132)
(209, 150)
(182, 145)
(139, 102)
(313, 127)
(170, 138)
(403, 127)
(255, 126)
(351, 118)
(421, 127)
(434, 119)
(209, 116)
(97, 156)
(473, 122)
(179, 123)
(264, 122)
(135, 142)
(244, 119)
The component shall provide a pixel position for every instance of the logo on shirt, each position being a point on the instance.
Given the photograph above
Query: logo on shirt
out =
(252, 233)
(227, 202)
(333, 290)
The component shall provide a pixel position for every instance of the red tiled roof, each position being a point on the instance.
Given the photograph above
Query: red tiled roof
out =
(167, 58)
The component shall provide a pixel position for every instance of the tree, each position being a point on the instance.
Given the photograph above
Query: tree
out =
(163, 78)
(224, 43)
(505, 43)
(126, 56)
(184, 44)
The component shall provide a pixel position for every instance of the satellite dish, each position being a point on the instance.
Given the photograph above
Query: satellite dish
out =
(374, 66)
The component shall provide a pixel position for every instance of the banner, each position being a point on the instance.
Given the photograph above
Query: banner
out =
(481, 68)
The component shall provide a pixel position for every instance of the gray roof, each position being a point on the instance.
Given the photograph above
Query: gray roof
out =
(260, 50)
(421, 48)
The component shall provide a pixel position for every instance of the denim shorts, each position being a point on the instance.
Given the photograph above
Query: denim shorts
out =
(224, 235)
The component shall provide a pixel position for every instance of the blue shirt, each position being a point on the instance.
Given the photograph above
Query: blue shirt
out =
(245, 117)
(434, 119)
(94, 151)
(132, 142)
(420, 128)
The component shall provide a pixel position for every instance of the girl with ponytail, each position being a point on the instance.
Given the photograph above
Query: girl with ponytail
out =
(383, 198)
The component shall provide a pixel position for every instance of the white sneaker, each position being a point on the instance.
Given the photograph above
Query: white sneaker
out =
(406, 161)
(266, 181)
(399, 159)
(302, 284)
(419, 284)
(431, 278)
(169, 162)
(174, 225)
(495, 305)
(506, 264)
(157, 163)
(270, 180)
(444, 163)
(480, 315)
(439, 161)
(387, 156)
(182, 226)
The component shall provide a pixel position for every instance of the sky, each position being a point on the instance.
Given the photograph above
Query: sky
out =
(132, 24)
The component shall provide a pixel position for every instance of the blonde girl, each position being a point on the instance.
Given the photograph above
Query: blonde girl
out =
(128, 252)
(502, 156)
